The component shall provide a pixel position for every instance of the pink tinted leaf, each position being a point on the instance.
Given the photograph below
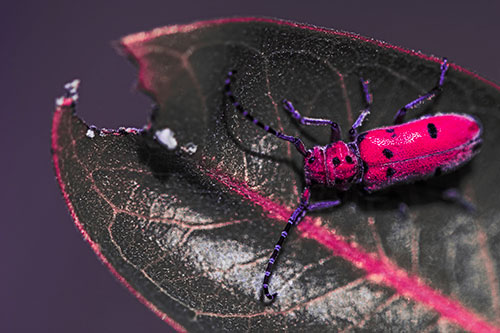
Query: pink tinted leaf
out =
(190, 230)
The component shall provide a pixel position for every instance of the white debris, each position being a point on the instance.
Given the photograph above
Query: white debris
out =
(71, 93)
(189, 148)
(72, 86)
(166, 138)
(132, 130)
(59, 101)
(90, 133)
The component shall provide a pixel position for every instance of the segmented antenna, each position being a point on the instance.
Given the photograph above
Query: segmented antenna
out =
(296, 141)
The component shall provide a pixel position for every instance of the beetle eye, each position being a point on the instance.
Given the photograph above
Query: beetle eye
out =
(311, 160)
(348, 159)
(335, 161)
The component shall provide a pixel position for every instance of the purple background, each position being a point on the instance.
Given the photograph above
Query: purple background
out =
(51, 280)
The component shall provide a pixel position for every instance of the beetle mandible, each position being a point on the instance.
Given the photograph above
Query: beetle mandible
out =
(377, 158)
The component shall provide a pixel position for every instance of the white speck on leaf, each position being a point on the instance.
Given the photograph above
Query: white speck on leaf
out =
(90, 133)
(189, 148)
(166, 138)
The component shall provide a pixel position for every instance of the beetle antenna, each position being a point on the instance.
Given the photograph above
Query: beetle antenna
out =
(296, 141)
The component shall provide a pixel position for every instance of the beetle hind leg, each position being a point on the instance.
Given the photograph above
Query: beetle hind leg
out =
(454, 195)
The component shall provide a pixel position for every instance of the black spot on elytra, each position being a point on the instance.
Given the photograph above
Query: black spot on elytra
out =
(387, 153)
(336, 161)
(431, 128)
(390, 172)
(391, 130)
(311, 160)
(438, 172)
(349, 160)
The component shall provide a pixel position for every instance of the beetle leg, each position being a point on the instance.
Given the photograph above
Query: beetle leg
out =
(454, 195)
(399, 118)
(335, 136)
(353, 132)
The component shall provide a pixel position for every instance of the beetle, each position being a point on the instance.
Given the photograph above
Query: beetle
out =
(378, 158)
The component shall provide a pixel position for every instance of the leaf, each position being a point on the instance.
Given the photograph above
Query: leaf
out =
(190, 234)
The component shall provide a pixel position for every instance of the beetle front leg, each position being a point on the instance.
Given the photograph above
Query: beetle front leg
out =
(323, 205)
(335, 136)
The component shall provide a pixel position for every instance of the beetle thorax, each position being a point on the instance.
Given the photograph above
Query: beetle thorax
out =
(335, 165)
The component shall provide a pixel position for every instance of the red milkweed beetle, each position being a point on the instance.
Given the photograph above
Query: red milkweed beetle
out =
(376, 158)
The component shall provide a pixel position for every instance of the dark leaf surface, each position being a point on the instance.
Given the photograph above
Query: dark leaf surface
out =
(190, 234)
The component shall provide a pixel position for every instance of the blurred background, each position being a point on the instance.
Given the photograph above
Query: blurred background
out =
(50, 279)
